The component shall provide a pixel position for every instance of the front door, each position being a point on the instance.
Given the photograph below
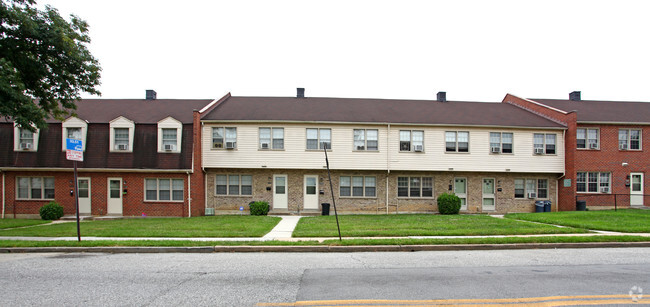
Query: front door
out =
(460, 189)
(83, 191)
(114, 196)
(280, 199)
(488, 195)
(636, 189)
(311, 192)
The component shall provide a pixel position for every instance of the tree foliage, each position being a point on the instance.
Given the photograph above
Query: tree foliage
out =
(44, 63)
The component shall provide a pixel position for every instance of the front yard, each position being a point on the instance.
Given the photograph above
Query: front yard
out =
(420, 225)
(623, 220)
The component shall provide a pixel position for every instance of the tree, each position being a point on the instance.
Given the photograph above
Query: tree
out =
(44, 63)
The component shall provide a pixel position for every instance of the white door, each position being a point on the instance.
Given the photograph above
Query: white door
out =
(83, 191)
(280, 199)
(311, 192)
(115, 196)
(488, 195)
(636, 189)
(460, 189)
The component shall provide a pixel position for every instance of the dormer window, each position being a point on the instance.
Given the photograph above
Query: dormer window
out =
(74, 128)
(25, 140)
(169, 135)
(121, 135)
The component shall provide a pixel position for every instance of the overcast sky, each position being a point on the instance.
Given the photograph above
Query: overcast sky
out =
(473, 50)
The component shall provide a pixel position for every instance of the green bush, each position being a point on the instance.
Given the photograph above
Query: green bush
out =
(259, 208)
(448, 204)
(51, 211)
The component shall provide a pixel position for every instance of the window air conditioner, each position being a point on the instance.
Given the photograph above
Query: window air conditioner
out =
(122, 146)
(622, 146)
(532, 195)
(539, 151)
(25, 146)
(496, 149)
(265, 145)
(170, 147)
(604, 189)
(593, 146)
(361, 147)
(230, 145)
(209, 211)
(417, 148)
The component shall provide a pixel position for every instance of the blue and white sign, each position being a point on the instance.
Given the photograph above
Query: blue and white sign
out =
(74, 150)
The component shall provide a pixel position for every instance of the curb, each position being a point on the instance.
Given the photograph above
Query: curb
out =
(319, 248)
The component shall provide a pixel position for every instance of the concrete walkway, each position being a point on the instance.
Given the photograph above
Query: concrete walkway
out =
(284, 229)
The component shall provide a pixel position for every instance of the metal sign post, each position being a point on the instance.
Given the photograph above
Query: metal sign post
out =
(329, 175)
(74, 152)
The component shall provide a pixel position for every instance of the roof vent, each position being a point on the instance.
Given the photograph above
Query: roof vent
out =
(301, 92)
(442, 96)
(574, 96)
(151, 95)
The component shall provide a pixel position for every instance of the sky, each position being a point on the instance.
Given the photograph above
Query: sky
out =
(473, 50)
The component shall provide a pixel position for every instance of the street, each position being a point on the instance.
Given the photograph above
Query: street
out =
(268, 279)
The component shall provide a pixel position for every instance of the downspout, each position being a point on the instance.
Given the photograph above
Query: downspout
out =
(3, 194)
(205, 178)
(189, 195)
(387, 164)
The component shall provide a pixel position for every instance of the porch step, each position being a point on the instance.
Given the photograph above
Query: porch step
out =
(314, 212)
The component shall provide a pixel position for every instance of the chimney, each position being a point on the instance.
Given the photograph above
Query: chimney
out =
(301, 92)
(151, 95)
(442, 96)
(574, 96)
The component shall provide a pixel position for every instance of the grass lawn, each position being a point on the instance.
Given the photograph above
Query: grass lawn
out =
(208, 226)
(419, 225)
(623, 220)
(12, 223)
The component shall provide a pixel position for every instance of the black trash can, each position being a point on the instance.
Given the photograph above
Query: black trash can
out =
(581, 205)
(539, 206)
(326, 208)
(547, 206)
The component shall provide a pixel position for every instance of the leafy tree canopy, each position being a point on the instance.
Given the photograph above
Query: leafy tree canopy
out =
(44, 63)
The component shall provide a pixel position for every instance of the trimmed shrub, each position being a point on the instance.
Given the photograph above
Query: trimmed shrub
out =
(259, 208)
(51, 211)
(448, 204)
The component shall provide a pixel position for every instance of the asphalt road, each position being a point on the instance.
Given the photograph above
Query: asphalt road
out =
(248, 279)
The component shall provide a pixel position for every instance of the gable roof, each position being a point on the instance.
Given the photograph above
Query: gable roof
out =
(603, 111)
(355, 110)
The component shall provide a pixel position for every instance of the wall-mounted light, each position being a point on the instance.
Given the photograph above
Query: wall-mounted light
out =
(624, 164)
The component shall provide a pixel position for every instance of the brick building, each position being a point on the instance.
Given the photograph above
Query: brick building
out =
(138, 160)
(607, 149)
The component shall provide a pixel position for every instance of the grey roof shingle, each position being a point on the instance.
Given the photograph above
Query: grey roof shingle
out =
(603, 111)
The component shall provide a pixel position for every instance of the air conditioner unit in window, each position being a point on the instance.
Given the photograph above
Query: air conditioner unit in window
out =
(539, 151)
(122, 146)
(230, 145)
(532, 195)
(361, 147)
(417, 148)
(622, 146)
(209, 211)
(25, 146)
(495, 149)
(604, 189)
(170, 147)
(265, 145)
(593, 146)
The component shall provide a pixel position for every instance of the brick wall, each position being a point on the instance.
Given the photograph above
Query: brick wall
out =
(197, 192)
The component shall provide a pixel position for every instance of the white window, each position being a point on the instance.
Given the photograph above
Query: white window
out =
(35, 187)
(415, 187)
(457, 141)
(411, 140)
(531, 188)
(544, 143)
(235, 185)
(587, 138)
(164, 189)
(366, 139)
(500, 142)
(629, 139)
(25, 140)
(224, 137)
(358, 186)
(271, 138)
(74, 128)
(319, 138)
(593, 182)
(121, 134)
(170, 133)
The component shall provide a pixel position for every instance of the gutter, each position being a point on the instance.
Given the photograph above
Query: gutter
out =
(88, 170)
(387, 163)
(189, 195)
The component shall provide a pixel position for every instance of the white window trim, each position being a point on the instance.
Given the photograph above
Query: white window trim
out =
(433, 188)
(629, 139)
(29, 189)
(363, 187)
(74, 122)
(411, 146)
(171, 190)
(225, 140)
(609, 186)
(121, 122)
(512, 144)
(170, 123)
(365, 141)
(270, 147)
(456, 151)
(557, 148)
(17, 140)
(586, 129)
(228, 185)
(331, 143)
(548, 188)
